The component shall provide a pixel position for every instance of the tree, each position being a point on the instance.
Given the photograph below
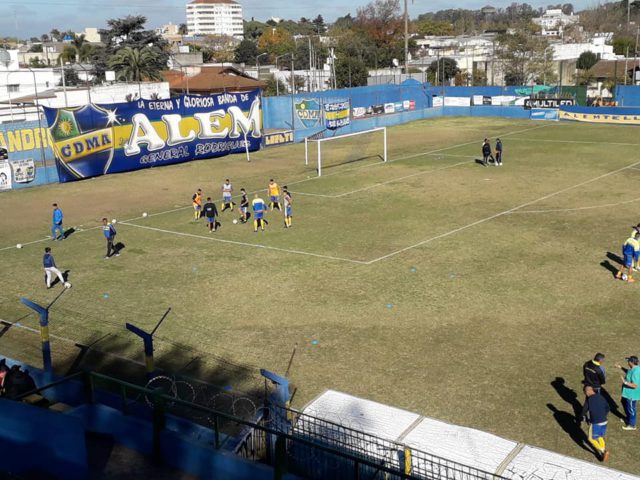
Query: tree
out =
(220, 47)
(622, 45)
(523, 57)
(344, 23)
(434, 27)
(137, 65)
(586, 60)
(444, 69)
(253, 29)
(319, 24)
(273, 87)
(277, 42)
(68, 54)
(70, 77)
(246, 52)
(56, 36)
(129, 32)
(36, 48)
(182, 29)
(35, 62)
(77, 43)
(351, 72)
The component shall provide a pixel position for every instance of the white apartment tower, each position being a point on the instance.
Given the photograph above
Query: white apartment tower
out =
(215, 17)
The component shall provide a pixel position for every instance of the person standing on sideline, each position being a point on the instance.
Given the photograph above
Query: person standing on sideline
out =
(109, 232)
(498, 152)
(595, 411)
(274, 195)
(244, 206)
(259, 207)
(50, 267)
(227, 199)
(630, 253)
(630, 392)
(56, 223)
(197, 204)
(594, 373)
(287, 207)
(210, 213)
(486, 153)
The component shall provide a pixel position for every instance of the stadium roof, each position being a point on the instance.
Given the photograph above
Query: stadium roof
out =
(212, 80)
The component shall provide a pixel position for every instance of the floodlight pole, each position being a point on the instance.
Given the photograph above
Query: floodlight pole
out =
(43, 313)
(42, 137)
(147, 339)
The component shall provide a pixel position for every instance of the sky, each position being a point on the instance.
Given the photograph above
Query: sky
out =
(31, 18)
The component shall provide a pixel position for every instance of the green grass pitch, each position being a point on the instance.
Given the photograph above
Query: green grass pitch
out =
(429, 282)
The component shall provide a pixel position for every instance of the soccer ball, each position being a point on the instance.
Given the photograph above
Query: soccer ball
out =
(624, 277)
(67, 285)
(144, 214)
(113, 221)
(235, 221)
(19, 245)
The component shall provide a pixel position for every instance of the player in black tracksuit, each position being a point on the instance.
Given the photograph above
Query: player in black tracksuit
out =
(210, 213)
(486, 153)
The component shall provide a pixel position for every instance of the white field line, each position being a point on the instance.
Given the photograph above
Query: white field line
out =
(424, 172)
(577, 209)
(576, 142)
(430, 152)
(245, 244)
(381, 184)
(500, 214)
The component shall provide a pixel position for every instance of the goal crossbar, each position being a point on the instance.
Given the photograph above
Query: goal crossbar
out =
(319, 142)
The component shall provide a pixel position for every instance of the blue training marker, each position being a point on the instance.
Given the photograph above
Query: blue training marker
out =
(413, 269)
(452, 275)
(106, 295)
(194, 269)
(315, 342)
(389, 305)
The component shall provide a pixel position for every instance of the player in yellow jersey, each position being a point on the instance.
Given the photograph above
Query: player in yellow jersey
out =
(630, 254)
(288, 201)
(197, 204)
(274, 193)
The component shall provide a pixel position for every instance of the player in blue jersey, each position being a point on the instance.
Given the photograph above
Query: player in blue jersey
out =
(57, 231)
(630, 254)
(259, 208)
(109, 231)
(288, 210)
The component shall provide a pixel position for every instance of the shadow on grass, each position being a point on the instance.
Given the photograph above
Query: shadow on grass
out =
(569, 395)
(67, 233)
(613, 405)
(55, 280)
(571, 426)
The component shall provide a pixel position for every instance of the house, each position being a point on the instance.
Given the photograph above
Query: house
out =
(210, 80)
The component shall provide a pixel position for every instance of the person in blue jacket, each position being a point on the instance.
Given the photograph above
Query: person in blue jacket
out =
(56, 224)
(109, 231)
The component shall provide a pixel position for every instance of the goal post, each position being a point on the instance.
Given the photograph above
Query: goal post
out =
(356, 146)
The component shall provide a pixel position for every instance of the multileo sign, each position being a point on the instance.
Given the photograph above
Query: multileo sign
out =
(99, 139)
(530, 103)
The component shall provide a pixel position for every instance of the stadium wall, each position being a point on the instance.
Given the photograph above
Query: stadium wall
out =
(31, 160)
(628, 95)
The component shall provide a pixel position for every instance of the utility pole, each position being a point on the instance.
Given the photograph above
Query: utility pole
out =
(406, 37)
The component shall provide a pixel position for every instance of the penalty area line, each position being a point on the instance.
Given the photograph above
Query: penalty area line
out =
(245, 244)
(500, 214)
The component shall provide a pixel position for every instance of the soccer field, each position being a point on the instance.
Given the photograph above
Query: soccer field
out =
(429, 282)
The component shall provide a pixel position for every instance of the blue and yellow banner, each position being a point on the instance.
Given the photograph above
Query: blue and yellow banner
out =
(98, 139)
(616, 115)
(337, 114)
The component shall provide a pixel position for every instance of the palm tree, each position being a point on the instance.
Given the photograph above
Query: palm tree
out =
(136, 65)
(78, 42)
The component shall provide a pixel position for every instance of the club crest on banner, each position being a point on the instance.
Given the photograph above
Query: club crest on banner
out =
(308, 112)
(83, 139)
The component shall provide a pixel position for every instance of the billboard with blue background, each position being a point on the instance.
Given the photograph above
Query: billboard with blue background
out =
(99, 139)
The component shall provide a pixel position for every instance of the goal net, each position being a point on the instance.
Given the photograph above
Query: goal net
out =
(328, 152)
